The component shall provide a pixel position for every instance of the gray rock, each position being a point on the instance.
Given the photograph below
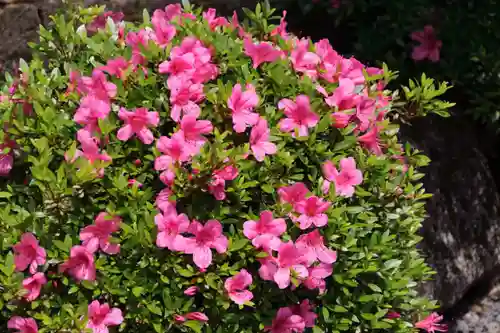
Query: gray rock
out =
(462, 234)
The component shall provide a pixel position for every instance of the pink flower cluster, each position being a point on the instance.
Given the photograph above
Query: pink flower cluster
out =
(293, 319)
(203, 238)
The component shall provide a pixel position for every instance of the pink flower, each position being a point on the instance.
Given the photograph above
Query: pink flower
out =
(164, 203)
(345, 180)
(184, 96)
(293, 194)
(261, 52)
(134, 182)
(199, 316)
(98, 235)
(90, 148)
(175, 147)
(313, 247)
(167, 165)
(299, 115)
(192, 129)
(370, 140)
(179, 319)
(28, 253)
(317, 276)
(23, 325)
(184, 64)
(429, 46)
(191, 291)
(98, 86)
(217, 186)
(280, 30)
(205, 237)
(116, 67)
(340, 119)
(286, 322)
(259, 141)
(312, 212)
(431, 324)
(100, 21)
(205, 70)
(304, 310)
(6, 163)
(137, 122)
(101, 316)
(80, 264)
(266, 231)
(170, 226)
(331, 61)
(303, 60)
(242, 104)
(279, 269)
(164, 32)
(33, 285)
(138, 40)
(213, 20)
(236, 287)
(343, 97)
(90, 111)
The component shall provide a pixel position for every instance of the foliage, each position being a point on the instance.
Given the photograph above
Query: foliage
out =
(468, 60)
(77, 165)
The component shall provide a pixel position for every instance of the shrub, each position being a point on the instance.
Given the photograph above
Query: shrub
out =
(196, 174)
(420, 36)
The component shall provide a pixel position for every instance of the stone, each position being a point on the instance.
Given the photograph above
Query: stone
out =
(461, 236)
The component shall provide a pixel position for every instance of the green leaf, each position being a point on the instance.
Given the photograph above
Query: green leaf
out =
(338, 308)
(154, 308)
(184, 272)
(324, 123)
(392, 263)
(5, 195)
(238, 244)
(195, 325)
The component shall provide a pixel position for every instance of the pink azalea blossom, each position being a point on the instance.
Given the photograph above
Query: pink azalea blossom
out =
(98, 86)
(261, 52)
(179, 319)
(299, 115)
(286, 322)
(98, 235)
(280, 30)
(206, 237)
(280, 269)
(304, 310)
(164, 203)
(365, 112)
(138, 122)
(116, 67)
(6, 159)
(163, 32)
(167, 165)
(184, 96)
(429, 47)
(303, 60)
(313, 247)
(27, 253)
(199, 316)
(101, 316)
(134, 182)
(100, 21)
(138, 40)
(370, 140)
(266, 231)
(312, 212)
(317, 276)
(33, 285)
(80, 264)
(183, 65)
(352, 69)
(293, 194)
(191, 291)
(330, 65)
(259, 141)
(341, 119)
(217, 186)
(237, 285)
(193, 130)
(205, 70)
(213, 20)
(22, 325)
(345, 180)
(175, 147)
(170, 226)
(90, 111)
(90, 148)
(343, 97)
(242, 104)
(431, 324)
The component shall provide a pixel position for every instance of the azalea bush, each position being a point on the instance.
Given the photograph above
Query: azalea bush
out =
(420, 36)
(197, 173)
